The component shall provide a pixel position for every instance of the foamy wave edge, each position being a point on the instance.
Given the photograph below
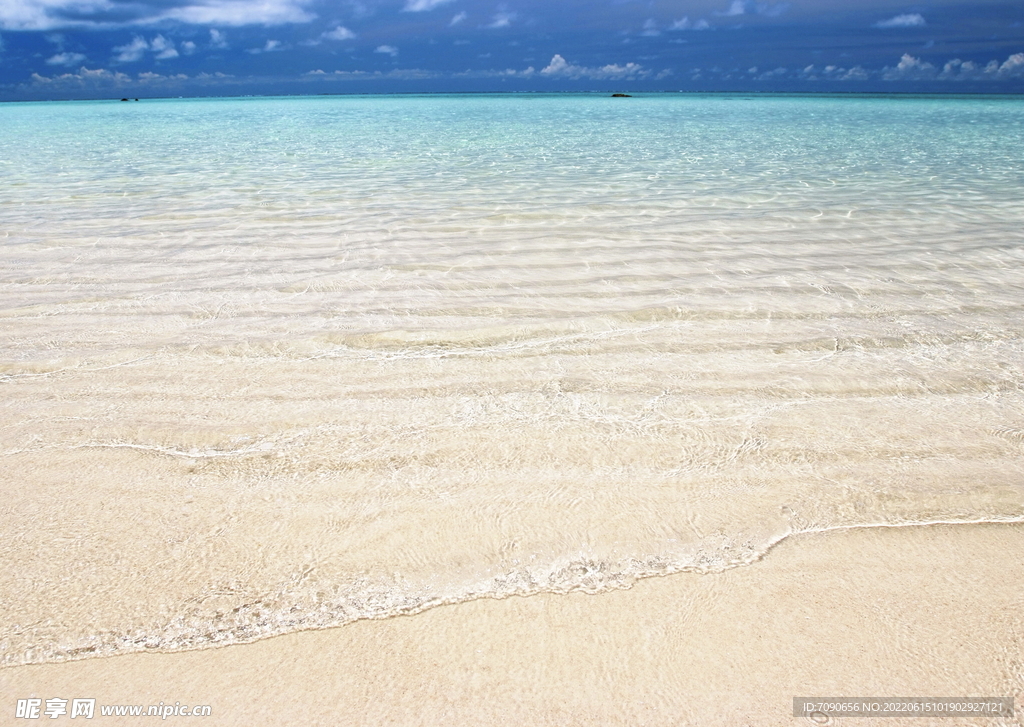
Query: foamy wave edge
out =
(377, 601)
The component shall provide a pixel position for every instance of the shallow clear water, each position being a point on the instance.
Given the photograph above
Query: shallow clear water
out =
(275, 364)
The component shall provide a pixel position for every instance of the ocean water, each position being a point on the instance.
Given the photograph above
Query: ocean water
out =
(279, 364)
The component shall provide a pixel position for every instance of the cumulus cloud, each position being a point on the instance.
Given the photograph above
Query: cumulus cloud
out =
(834, 73)
(771, 10)
(339, 33)
(150, 77)
(389, 49)
(1013, 66)
(561, 68)
(402, 74)
(134, 51)
(419, 6)
(85, 78)
(737, 7)
(269, 47)
(507, 73)
(100, 79)
(215, 76)
(685, 24)
(745, 7)
(502, 19)
(909, 69)
(163, 48)
(458, 18)
(49, 14)
(651, 28)
(188, 47)
(241, 12)
(907, 20)
(218, 39)
(131, 52)
(65, 59)
(958, 70)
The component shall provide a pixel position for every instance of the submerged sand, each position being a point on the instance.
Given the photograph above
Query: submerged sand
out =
(914, 611)
(294, 392)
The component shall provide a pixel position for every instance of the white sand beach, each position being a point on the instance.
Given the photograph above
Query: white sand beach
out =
(493, 411)
(929, 611)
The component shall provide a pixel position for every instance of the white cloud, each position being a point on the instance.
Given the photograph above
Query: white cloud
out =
(389, 49)
(502, 19)
(218, 39)
(560, 68)
(771, 10)
(101, 78)
(150, 77)
(65, 59)
(1013, 66)
(404, 74)
(737, 7)
(241, 12)
(188, 47)
(48, 14)
(834, 73)
(907, 20)
(51, 14)
(134, 51)
(770, 75)
(339, 33)
(419, 6)
(268, 47)
(685, 24)
(163, 48)
(651, 28)
(958, 70)
(131, 52)
(507, 73)
(85, 78)
(744, 7)
(458, 18)
(357, 9)
(909, 69)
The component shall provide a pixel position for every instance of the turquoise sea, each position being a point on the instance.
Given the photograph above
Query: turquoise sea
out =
(273, 364)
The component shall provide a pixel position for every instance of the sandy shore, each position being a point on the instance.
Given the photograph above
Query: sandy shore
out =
(929, 611)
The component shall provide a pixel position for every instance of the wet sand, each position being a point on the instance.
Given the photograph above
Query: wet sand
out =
(914, 611)
(372, 365)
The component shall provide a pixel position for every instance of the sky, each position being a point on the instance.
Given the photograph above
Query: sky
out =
(56, 49)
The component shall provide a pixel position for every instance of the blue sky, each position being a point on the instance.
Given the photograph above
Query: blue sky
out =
(104, 48)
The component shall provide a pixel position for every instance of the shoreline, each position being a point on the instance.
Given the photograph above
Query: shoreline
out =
(880, 611)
